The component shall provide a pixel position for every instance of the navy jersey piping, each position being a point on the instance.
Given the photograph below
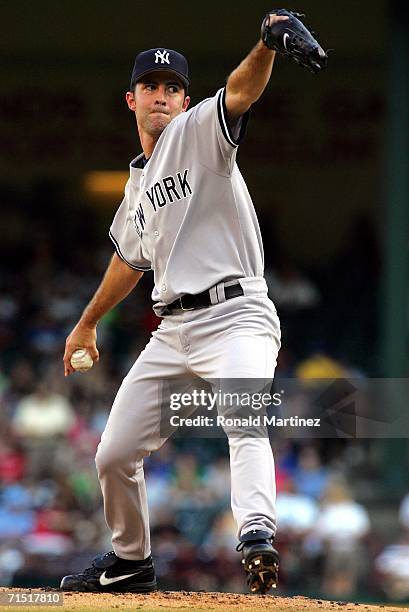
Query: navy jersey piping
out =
(224, 124)
(118, 250)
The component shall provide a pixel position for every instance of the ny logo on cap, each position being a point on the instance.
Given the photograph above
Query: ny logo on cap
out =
(163, 56)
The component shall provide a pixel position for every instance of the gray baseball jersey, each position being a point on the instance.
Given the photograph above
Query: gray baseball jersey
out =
(187, 214)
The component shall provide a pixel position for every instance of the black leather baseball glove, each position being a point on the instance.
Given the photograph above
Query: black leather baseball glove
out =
(292, 37)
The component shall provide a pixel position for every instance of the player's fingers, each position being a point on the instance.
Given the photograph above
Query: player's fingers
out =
(276, 18)
(67, 357)
(68, 369)
(93, 351)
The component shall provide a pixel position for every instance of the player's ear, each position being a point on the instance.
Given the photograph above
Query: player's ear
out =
(186, 103)
(130, 100)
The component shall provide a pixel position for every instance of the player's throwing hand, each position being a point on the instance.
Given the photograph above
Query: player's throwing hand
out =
(81, 337)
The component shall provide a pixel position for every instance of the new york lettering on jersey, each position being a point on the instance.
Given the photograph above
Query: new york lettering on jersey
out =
(167, 190)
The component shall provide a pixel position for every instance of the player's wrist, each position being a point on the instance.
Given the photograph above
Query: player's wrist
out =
(87, 323)
(261, 47)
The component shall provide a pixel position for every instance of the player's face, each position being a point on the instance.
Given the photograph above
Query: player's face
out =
(157, 99)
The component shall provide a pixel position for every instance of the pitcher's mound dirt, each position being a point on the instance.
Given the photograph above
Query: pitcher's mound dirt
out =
(194, 602)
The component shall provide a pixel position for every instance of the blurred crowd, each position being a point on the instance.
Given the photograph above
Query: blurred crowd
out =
(51, 517)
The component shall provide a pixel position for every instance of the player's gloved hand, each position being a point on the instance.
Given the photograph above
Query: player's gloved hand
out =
(80, 337)
(292, 37)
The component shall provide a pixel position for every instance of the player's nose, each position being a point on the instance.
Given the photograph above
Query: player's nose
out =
(161, 94)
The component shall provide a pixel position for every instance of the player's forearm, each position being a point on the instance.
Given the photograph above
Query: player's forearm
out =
(118, 282)
(248, 81)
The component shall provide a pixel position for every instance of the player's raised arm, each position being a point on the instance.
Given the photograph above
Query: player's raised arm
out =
(118, 282)
(248, 81)
(282, 31)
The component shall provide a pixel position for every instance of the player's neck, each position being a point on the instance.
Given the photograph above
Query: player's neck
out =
(148, 142)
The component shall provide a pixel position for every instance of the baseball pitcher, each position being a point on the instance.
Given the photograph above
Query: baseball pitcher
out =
(188, 216)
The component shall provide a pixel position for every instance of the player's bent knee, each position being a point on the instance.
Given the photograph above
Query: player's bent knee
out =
(109, 460)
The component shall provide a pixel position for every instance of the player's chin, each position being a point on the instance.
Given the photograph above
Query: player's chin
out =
(158, 121)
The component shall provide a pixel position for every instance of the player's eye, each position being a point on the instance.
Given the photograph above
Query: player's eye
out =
(173, 88)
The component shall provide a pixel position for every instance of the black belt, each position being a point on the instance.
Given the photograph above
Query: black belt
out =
(202, 300)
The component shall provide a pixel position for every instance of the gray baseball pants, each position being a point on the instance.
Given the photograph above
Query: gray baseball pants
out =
(235, 339)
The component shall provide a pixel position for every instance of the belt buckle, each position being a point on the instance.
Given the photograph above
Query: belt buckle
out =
(181, 305)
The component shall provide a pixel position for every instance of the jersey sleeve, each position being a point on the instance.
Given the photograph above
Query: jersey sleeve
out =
(217, 142)
(126, 240)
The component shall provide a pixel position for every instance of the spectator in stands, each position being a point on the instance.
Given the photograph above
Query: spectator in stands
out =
(296, 511)
(392, 564)
(16, 515)
(12, 460)
(43, 414)
(310, 477)
(39, 421)
(338, 535)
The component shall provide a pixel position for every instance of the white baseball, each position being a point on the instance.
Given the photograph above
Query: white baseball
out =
(81, 360)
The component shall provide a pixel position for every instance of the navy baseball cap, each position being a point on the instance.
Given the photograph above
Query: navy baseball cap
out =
(160, 59)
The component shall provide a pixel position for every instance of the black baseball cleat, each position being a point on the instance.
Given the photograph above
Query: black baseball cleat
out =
(111, 574)
(260, 560)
